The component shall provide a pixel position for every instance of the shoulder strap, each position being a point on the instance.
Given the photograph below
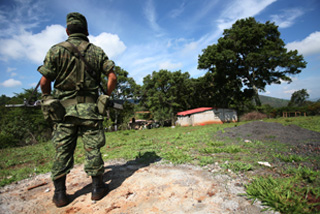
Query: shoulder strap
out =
(83, 47)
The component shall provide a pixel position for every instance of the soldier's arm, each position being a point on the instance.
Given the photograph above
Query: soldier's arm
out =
(45, 85)
(112, 81)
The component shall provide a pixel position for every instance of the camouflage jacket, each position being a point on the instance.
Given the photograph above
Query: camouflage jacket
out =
(62, 67)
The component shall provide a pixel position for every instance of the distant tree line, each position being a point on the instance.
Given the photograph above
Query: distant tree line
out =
(249, 56)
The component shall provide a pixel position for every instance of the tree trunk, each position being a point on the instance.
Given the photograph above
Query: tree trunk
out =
(256, 96)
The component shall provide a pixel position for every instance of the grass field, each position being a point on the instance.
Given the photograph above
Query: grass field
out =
(291, 188)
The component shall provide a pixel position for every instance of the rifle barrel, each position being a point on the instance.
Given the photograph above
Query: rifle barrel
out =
(14, 105)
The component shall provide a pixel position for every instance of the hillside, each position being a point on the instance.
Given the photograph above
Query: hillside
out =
(273, 102)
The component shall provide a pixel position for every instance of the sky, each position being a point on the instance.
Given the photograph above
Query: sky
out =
(143, 36)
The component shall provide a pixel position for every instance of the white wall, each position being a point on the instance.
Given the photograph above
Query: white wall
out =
(214, 116)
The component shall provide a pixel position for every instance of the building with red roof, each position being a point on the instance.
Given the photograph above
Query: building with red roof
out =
(206, 115)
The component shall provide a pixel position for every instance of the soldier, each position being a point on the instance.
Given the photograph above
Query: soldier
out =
(72, 107)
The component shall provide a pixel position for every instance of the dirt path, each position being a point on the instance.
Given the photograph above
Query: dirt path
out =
(135, 188)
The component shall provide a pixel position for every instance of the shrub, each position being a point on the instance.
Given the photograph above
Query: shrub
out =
(253, 116)
(7, 140)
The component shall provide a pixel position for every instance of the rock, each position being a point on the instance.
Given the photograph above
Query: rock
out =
(264, 163)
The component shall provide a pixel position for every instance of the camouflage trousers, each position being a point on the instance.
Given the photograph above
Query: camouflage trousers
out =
(64, 139)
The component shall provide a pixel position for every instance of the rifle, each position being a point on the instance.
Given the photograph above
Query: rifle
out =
(116, 104)
(27, 102)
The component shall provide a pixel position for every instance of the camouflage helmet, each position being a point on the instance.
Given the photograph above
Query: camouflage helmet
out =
(77, 19)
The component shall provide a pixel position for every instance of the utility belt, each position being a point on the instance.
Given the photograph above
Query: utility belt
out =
(77, 100)
(54, 110)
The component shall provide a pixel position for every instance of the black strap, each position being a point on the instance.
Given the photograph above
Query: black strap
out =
(93, 74)
(33, 92)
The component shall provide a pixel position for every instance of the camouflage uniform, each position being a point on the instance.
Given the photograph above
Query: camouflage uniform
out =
(81, 118)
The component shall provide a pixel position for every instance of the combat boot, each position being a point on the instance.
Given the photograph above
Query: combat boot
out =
(60, 196)
(99, 188)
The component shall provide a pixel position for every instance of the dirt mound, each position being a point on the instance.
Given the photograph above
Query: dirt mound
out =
(301, 142)
(135, 188)
(264, 131)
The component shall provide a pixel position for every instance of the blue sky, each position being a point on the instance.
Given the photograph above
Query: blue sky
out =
(143, 36)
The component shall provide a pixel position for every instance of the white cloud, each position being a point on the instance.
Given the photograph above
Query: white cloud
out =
(190, 47)
(35, 46)
(233, 11)
(169, 65)
(308, 46)
(285, 91)
(33, 84)
(20, 15)
(150, 13)
(287, 17)
(110, 43)
(177, 11)
(32, 46)
(290, 91)
(11, 48)
(241, 9)
(9, 69)
(265, 92)
(11, 83)
(203, 12)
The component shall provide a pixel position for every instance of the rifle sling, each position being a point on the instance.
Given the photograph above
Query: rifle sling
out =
(93, 74)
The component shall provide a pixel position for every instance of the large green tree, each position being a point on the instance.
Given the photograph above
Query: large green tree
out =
(203, 92)
(249, 56)
(165, 93)
(299, 98)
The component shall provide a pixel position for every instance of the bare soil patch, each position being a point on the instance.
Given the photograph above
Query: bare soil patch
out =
(301, 141)
(266, 132)
(135, 188)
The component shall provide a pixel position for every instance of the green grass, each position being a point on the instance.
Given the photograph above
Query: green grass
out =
(293, 184)
(311, 123)
(289, 158)
(286, 195)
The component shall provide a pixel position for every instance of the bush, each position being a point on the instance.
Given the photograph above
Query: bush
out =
(22, 126)
(314, 109)
(253, 116)
(7, 141)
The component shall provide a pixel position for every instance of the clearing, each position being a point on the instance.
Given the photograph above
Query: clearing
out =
(159, 187)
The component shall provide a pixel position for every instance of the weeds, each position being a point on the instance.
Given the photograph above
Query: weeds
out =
(283, 195)
(302, 172)
(177, 156)
(226, 149)
(289, 158)
(237, 166)
(205, 160)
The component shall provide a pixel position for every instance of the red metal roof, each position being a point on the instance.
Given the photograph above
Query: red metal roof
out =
(192, 111)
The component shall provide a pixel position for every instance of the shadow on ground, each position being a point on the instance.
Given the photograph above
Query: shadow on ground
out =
(115, 175)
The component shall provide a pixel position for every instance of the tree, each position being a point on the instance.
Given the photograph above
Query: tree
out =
(248, 57)
(4, 99)
(127, 91)
(165, 93)
(299, 98)
(126, 86)
(203, 92)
